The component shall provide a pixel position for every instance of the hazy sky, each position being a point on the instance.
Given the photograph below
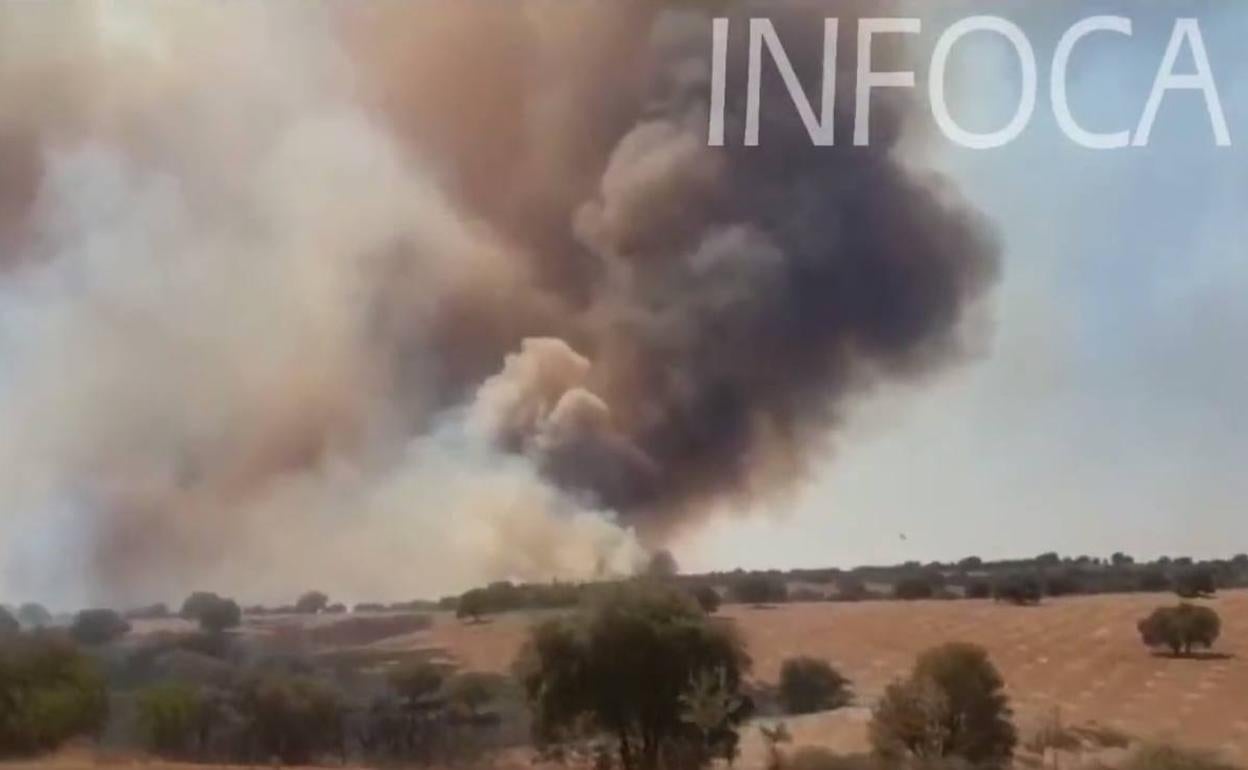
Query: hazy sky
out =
(1105, 410)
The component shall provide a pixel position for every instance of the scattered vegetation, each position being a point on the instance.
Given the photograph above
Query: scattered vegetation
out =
(96, 627)
(49, 693)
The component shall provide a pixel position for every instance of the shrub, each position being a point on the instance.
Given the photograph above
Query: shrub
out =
(417, 683)
(311, 603)
(469, 692)
(1181, 628)
(94, 627)
(171, 719)
(194, 604)
(1153, 580)
(644, 666)
(809, 684)
(49, 693)
(707, 598)
(296, 719)
(760, 590)
(662, 565)
(951, 705)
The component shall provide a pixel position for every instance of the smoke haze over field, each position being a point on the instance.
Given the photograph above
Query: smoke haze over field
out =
(393, 299)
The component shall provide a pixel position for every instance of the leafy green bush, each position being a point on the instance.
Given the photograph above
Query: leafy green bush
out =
(1181, 628)
(171, 718)
(296, 719)
(707, 598)
(809, 684)
(952, 705)
(644, 666)
(49, 692)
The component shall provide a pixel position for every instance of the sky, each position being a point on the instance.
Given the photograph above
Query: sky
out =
(1103, 411)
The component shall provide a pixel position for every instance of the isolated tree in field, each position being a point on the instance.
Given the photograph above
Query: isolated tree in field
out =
(94, 627)
(630, 667)
(195, 603)
(1181, 628)
(662, 565)
(219, 615)
(311, 603)
(952, 705)
(760, 590)
(33, 615)
(473, 604)
(809, 684)
(707, 598)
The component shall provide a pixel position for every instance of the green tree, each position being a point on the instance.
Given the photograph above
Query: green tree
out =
(707, 598)
(49, 693)
(1195, 583)
(662, 565)
(296, 719)
(471, 691)
(417, 683)
(627, 667)
(33, 615)
(172, 719)
(312, 603)
(195, 604)
(1021, 589)
(810, 684)
(1181, 628)
(95, 627)
(759, 589)
(952, 705)
(473, 604)
(219, 614)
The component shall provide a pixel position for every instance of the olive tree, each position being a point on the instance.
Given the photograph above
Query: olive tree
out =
(1181, 628)
(645, 666)
(952, 705)
(810, 684)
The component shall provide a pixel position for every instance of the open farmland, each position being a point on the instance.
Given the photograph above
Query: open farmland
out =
(1079, 655)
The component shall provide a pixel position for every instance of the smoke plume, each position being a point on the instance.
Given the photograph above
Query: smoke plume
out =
(390, 299)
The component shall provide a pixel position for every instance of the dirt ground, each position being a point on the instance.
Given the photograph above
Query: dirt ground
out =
(1079, 659)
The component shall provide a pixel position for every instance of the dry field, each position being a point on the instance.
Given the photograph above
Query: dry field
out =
(1078, 657)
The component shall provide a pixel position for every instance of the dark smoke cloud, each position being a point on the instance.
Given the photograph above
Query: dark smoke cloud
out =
(331, 286)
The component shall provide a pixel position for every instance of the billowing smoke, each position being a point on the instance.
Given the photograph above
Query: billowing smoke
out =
(394, 298)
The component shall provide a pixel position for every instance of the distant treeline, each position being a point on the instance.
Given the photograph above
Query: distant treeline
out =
(1020, 581)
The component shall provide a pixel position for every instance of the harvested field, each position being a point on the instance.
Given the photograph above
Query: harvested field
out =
(1078, 657)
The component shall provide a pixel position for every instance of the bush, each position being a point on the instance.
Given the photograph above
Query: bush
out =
(417, 683)
(49, 693)
(311, 603)
(662, 565)
(94, 627)
(296, 719)
(1153, 581)
(809, 684)
(468, 693)
(171, 718)
(760, 590)
(952, 705)
(1181, 628)
(195, 604)
(473, 604)
(707, 598)
(644, 666)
